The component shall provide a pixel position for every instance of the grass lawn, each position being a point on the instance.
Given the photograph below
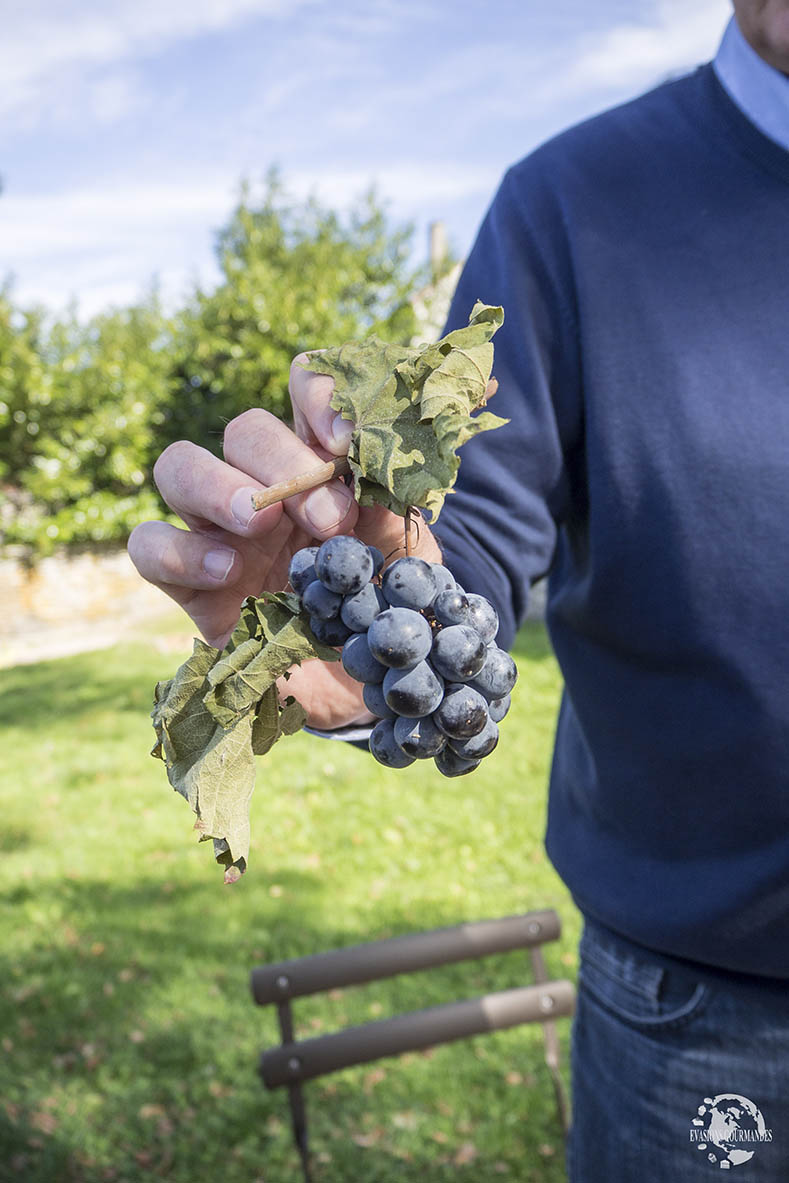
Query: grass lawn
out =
(130, 1041)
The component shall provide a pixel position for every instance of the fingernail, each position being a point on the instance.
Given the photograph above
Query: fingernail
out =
(326, 508)
(341, 430)
(217, 563)
(241, 506)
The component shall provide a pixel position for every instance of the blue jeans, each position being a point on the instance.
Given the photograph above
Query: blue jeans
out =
(675, 1080)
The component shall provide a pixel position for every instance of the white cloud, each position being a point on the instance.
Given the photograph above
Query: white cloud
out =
(407, 185)
(515, 81)
(43, 39)
(105, 243)
(632, 55)
(115, 96)
(36, 226)
(329, 100)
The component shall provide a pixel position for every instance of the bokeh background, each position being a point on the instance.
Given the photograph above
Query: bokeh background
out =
(191, 194)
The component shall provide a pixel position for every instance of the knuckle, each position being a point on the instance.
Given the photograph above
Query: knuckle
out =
(260, 437)
(171, 460)
(248, 423)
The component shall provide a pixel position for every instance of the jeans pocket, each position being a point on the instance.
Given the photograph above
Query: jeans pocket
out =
(636, 990)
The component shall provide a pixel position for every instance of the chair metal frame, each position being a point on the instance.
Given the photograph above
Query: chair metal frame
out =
(293, 1062)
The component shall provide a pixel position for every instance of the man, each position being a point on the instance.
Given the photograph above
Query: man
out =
(641, 259)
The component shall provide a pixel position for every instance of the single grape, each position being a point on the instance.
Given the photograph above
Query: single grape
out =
(449, 763)
(378, 559)
(445, 580)
(302, 569)
(344, 564)
(358, 661)
(419, 737)
(330, 632)
(413, 692)
(321, 602)
(477, 746)
(360, 610)
(451, 607)
(385, 747)
(463, 712)
(498, 707)
(373, 695)
(497, 676)
(409, 583)
(399, 637)
(458, 652)
(483, 617)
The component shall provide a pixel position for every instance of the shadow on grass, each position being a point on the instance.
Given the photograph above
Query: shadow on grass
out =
(32, 695)
(14, 838)
(142, 1005)
(25, 1149)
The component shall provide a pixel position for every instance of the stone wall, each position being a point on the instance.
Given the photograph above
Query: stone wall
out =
(67, 604)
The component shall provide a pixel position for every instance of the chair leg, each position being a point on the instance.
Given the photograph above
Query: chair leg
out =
(552, 1053)
(298, 1110)
(298, 1116)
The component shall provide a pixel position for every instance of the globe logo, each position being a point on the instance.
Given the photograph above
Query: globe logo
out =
(728, 1128)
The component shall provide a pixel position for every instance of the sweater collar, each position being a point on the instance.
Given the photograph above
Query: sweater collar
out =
(761, 92)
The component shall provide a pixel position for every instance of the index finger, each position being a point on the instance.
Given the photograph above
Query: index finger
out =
(314, 419)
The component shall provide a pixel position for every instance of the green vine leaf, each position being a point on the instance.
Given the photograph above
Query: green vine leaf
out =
(412, 409)
(221, 710)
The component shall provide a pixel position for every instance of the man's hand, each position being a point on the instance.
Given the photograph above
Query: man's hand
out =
(229, 551)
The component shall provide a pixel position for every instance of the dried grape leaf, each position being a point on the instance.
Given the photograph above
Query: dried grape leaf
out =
(221, 709)
(265, 725)
(412, 409)
(285, 625)
(212, 767)
(253, 660)
(272, 721)
(292, 716)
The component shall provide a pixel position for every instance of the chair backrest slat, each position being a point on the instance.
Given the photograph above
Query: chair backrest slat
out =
(415, 951)
(417, 1029)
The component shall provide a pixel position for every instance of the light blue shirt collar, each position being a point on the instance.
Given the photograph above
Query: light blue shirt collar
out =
(761, 93)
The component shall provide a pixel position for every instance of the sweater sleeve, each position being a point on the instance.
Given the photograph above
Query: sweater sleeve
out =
(498, 528)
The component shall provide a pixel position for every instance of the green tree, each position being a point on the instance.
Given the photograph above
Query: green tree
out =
(25, 387)
(296, 276)
(84, 404)
(86, 408)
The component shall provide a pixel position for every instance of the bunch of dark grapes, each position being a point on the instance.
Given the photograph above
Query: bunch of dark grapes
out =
(424, 649)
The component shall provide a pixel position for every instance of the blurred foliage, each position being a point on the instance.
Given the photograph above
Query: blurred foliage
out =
(80, 409)
(86, 408)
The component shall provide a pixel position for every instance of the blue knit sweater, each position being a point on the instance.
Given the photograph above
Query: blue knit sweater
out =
(642, 259)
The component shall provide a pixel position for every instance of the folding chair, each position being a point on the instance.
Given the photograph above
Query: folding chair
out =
(292, 1062)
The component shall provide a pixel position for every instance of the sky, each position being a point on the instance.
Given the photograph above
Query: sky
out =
(126, 127)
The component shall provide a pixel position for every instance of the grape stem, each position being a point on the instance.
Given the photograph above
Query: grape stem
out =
(410, 516)
(328, 471)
